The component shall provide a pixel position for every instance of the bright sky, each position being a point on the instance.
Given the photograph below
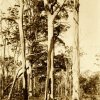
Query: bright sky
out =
(89, 31)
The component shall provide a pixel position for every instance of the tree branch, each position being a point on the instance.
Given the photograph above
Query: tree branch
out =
(58, 10)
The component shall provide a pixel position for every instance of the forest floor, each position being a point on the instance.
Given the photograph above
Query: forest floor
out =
(34, 98)
(57, 98)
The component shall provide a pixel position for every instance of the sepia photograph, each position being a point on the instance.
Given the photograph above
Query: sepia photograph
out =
(49, 50)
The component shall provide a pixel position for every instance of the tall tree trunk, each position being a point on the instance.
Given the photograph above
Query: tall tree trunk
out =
(2, 74)
(49, 78)
(3, 67)
(51, 73)
(22, 40)
(76, 61)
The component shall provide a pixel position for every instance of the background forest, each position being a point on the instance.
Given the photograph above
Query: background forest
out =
(35, 62)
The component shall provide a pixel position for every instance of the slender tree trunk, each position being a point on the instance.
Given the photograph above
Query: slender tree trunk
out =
(76, 61)
(22, 40)
(3, 67)
(49, 60)
(51, 73)
(49, 79)
(10, 94)
(30, 81)
(30, 52)
(2, 74)
(34, 85)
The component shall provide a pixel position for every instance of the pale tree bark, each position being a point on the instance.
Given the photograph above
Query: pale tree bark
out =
(52, 73)
(51, 46)
(76, 60)
(49, 79)
(3, 58)
(30, 80)
(50, 67)
(22, 40)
